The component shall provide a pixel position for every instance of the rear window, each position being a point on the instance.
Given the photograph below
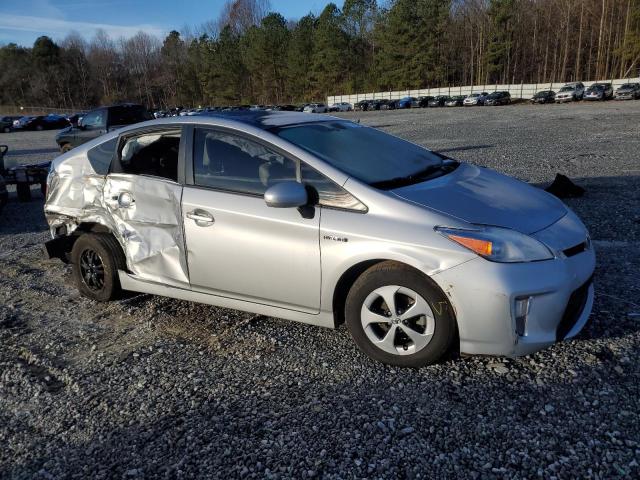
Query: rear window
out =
(100, 156)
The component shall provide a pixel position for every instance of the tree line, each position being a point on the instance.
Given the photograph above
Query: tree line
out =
(253, 55)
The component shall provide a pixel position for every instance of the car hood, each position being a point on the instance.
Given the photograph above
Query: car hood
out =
(482, 196)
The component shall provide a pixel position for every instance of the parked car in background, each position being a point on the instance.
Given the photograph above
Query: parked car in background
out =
(455, 101)
(389, 105)
(438, 101)
(570, 92)
(475, 99)
(6, 123)
(406, 102)
(628, 91)
(285, 108)
(315, 108)
(324, 221)
(41, 122)
(361, 105)
(375, 104)
(100, 121)
(75, 118)
(498, 98)
(341, 107)
(423, 101)
(544, 96)
(599, 91)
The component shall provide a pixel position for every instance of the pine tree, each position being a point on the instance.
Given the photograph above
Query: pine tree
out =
(329, 59)
(300, 58)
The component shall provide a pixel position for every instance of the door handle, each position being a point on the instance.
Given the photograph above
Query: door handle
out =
(201, 217)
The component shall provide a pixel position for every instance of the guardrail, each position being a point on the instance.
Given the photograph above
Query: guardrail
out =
(521, 90)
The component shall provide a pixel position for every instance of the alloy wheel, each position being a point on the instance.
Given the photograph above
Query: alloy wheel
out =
(397, 320)
(92, 270)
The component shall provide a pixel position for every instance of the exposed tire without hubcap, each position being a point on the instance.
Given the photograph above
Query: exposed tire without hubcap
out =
(96, 259)
(399, 316)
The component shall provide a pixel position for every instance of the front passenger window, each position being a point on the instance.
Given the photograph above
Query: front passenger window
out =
(235, 163)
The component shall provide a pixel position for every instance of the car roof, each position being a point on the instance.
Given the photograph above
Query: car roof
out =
(262, 119)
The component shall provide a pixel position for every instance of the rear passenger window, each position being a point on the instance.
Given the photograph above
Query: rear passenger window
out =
(154, 154)
(231, 162)
(101, 155)
(329, 193)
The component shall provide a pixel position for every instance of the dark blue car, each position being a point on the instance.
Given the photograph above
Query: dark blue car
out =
(406, 102)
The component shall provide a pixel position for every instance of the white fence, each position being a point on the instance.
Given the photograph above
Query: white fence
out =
(521, 90)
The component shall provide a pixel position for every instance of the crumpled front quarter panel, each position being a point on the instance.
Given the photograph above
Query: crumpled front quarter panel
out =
(151, 229)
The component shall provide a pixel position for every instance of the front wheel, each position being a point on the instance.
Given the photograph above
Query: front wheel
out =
(96, 259)
(398, 316)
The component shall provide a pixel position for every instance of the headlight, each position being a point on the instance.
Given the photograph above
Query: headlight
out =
(499, 244)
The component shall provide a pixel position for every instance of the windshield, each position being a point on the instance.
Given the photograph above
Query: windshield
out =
(365, 153)
(567, 89)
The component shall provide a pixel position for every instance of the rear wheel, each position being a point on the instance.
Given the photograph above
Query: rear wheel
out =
(96, 259)
(398, 316)
(39, 128)
(64, 148)
(6, 129)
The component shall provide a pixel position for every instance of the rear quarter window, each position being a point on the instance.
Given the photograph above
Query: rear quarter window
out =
(101, 155)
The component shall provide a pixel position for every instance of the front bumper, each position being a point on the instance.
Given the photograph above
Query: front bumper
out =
(483, 296)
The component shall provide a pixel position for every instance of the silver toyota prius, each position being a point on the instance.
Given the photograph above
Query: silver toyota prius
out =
(324, 221)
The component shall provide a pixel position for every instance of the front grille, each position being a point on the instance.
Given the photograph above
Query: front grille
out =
(574, 309)
(575, 250)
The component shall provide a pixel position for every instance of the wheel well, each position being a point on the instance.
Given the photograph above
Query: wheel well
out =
(93, 227)
(61, 246)
(349, 277)
(345, 283)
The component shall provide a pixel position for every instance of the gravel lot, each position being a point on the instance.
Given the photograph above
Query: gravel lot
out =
(150, 387)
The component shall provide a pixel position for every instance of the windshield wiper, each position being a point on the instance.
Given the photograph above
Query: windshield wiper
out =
(408, 179)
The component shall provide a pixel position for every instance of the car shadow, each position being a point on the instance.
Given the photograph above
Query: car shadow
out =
(464, 148)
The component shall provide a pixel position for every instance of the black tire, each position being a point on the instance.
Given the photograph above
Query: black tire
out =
(23, 189)
(43, 189)
(111, 259)
(6, 129)
(39, 128)
(393, 273)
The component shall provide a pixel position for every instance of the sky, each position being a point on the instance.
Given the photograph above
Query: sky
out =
(22, 21)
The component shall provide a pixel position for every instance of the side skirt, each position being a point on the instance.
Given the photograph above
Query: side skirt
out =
(130, 282)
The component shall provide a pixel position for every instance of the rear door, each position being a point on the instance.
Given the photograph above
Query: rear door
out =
(142, 193)
(237, 246)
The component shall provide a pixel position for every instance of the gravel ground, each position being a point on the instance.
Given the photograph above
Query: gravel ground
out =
(150, 387)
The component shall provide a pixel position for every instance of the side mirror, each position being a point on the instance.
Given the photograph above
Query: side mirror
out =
(287, 194)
